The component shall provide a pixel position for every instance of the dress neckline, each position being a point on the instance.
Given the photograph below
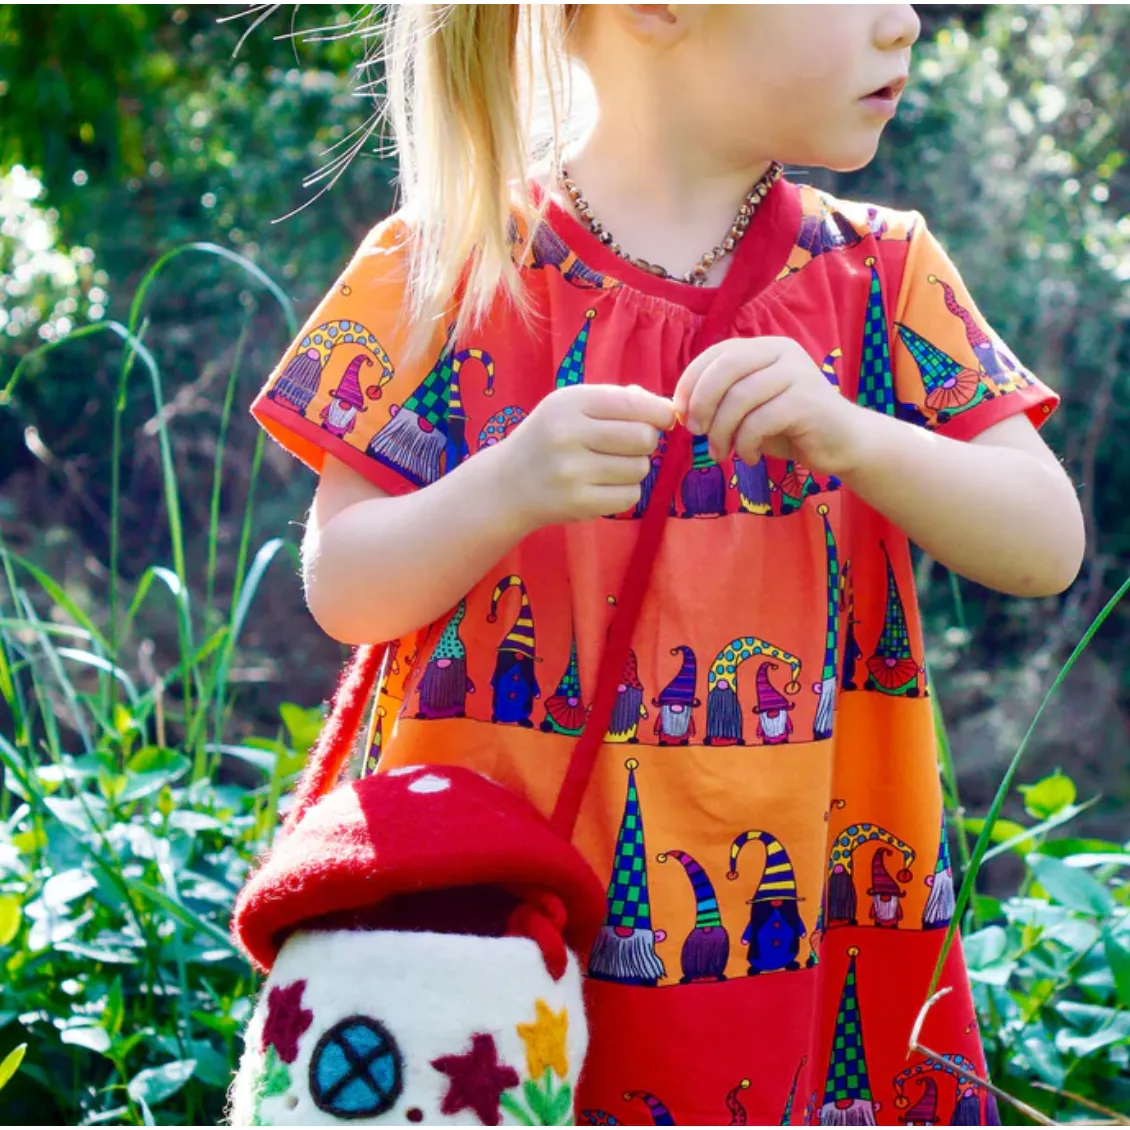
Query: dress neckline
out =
(770, 238)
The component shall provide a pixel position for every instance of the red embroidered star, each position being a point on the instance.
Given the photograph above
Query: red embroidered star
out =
(286, 1020)
(477, 1080)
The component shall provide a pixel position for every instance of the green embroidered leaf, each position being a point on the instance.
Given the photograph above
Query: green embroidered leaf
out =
(535, 1098)
(563, 1107)
(276, 1078)
(516, 1110)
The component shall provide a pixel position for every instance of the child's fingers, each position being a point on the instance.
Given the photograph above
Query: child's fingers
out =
(759, 426)
(701, 389)
(621, 437)
(614, 402)
(742, 398)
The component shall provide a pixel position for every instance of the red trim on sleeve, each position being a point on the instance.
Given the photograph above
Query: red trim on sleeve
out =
(1037, 400)
(309, 443)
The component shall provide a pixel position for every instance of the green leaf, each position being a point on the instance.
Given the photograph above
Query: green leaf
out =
(563, 1106)
(1074, 846)
(303, 724)
(114, 1012)
(179, 911)
(1002, 832)
(11, 1064)
(515, 1110)
(150, 769)
(1118, 958)
(156, 1084)
(1071, 886)
(87, 1036)
(1045, 798)
(535, 1098)
(10, 916)
(276, 1077)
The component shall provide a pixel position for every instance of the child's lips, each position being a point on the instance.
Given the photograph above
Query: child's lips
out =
(889, 92)
(885, 99)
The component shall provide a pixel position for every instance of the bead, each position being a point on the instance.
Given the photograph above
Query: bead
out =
(745, 210)
(743, 223)
(707, 260)
(729, 243)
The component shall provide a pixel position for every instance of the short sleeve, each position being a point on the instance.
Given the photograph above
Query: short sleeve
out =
(343, 388)
(952, 373)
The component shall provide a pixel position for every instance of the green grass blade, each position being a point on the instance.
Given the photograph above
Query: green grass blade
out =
(983, 840)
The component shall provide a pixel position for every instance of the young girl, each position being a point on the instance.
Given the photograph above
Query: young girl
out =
(486, 393)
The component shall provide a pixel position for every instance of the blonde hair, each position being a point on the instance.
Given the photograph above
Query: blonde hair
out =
(464, 82)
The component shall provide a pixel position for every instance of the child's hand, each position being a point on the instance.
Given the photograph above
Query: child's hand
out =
(583, 452)
(766, 396)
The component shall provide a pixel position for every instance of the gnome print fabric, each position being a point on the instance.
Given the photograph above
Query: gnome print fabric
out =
(765, 814)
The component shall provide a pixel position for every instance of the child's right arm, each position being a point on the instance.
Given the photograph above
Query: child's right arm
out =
(376, 567)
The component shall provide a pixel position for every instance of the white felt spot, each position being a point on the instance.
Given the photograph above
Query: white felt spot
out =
(430, 784)
(402, 771)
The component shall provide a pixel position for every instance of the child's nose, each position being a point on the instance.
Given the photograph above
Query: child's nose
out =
(897, 28)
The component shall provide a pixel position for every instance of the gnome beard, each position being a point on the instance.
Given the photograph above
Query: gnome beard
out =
(858, 1112)
(674, 724)
(822, 727)
(968, 1109)
(298, 385)
(339, 417)
(705, 954)
(410, 444)
(841, 898)
(626, 715)
(443, 689)
(627, 956)
(940, 904)
(886, 910)
(774, 727)
(723, 716)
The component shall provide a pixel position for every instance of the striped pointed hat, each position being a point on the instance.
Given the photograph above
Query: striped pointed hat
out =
(660, 1115)
(778, 881)
(925, 1110)
(706, 901)
(847, 1081)
(680, 689)
(349, 387)
(629, 906)
(571, 371)
(876, 380)
(701, 457)
(520, 638)
(455, 390)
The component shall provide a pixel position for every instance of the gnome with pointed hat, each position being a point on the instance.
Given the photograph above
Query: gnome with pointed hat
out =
(940, 902)
(339, 416)
(565, 710)
(772, 710)
(925, 1111)
(847, 1091)
(444, 685)
(775, 928)
(514, 682)
(677, 703)
(624, 950)
(886, 895)
(629, 708)
(707, 947)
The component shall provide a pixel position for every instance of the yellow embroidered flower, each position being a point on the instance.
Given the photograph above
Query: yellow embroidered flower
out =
(545, 1041)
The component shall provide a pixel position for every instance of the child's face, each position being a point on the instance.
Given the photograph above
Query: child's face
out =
(795, 80)
(755, 82)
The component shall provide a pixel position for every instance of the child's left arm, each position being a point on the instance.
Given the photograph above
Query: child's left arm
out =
(998, 509)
